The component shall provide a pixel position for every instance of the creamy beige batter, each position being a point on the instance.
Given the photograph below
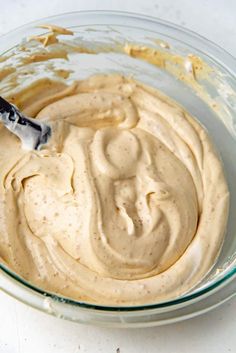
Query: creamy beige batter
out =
(128, 202)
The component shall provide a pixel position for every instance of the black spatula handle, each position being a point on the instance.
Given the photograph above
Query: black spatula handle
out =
(24, 127)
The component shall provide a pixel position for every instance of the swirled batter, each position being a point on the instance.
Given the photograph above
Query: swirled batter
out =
(128, 202)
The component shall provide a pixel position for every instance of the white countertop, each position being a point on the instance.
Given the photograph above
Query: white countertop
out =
(25, 330)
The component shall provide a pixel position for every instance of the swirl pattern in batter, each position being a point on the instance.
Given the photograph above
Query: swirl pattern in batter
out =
(126, 205)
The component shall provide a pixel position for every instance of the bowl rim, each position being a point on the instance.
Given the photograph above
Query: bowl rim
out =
(186, 299)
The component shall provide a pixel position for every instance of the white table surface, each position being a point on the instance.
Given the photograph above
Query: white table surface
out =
(25, 330)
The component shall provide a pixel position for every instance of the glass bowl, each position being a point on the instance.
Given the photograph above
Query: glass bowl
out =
(102, 30)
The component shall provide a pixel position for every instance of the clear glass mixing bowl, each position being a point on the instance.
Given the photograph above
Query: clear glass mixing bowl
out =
(103, 29)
